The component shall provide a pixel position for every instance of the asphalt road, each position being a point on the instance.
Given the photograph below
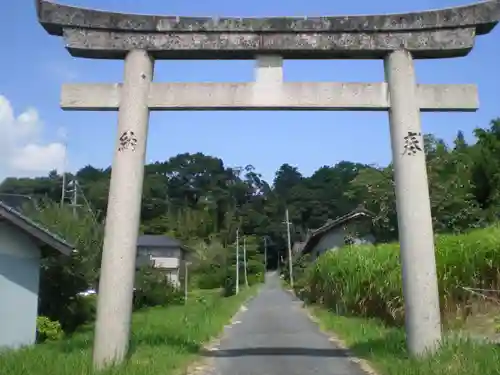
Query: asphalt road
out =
(274, 336)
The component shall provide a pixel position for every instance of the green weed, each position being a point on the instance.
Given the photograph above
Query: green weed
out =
(164, 340)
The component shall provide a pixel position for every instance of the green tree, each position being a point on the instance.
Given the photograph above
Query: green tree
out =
(199, 199)
(62, 278)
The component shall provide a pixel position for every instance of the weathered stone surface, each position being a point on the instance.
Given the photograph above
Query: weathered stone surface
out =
(433, 34)
(319, 96)
(483, 16)
(425, 44)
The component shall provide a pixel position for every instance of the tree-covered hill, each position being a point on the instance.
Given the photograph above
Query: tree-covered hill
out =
(197, 197)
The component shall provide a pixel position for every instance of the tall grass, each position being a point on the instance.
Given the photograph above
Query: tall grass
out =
(164, 341)
(366, 280)
(384, 347)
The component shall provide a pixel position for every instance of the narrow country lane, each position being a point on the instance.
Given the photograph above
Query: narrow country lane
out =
(274, 336)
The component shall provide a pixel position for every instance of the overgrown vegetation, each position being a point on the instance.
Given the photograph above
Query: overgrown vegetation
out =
(202, 202)
(365, 280)
(153, 288)
(63, 278)
(356, 292)
(215, 267)
(197, 198)
(164, 340)
(48, 330)
(385, 348)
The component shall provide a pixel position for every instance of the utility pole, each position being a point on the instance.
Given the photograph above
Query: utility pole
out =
(245, 259)
(186, 264)
(287, 221)
(75, 197)
(63, 189)
(237, 260)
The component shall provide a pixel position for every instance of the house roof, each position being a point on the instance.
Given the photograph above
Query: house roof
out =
(35, 230)
(156, 240)
(15, 201)
(316, 234)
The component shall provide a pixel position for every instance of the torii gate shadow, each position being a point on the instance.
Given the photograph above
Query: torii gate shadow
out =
(276, 351)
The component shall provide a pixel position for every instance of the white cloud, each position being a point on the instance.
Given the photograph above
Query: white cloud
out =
(22, 152)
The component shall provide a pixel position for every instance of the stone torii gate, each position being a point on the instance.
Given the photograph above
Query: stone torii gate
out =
(141, 39)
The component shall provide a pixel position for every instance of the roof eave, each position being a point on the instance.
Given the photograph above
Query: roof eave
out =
(187, 249)
(335, 224)
(342, 220)
(34, 230)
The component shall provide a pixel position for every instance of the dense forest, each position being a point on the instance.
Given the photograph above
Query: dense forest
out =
(196, 197)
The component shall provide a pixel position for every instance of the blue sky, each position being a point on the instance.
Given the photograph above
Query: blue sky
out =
(34, 65)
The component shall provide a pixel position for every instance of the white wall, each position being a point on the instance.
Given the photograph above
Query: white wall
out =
(166, 258)
(335, 239)
(19, 281)
(173, 276)
(166, 262)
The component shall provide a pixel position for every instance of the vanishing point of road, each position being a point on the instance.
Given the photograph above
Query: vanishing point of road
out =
(274, 336)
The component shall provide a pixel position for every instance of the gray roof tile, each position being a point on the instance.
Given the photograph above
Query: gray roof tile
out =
(154, 240)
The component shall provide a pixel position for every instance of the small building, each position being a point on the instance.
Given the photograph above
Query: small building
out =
(297, 248)
(22, 244)
(353, 228)
(162, 252)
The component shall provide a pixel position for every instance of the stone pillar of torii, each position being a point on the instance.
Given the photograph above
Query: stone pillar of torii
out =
(139, 40)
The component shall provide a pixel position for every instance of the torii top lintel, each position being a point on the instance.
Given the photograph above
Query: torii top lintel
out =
(430, 34)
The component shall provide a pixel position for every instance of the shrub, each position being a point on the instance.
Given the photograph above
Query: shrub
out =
(78, 311)
(210, 276)
(255, 275)
(62, 278)
(255, 271)
(366, 280)
(208, 268)
(216, 268)
(48, 330)
(255, 278)
(299, 267)
(153, 288)
(229, 287)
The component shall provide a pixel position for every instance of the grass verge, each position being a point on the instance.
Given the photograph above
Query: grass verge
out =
(385, 349)
(164, 341)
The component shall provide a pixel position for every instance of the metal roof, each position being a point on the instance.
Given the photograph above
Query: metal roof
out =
(161, 240)
(155, 240)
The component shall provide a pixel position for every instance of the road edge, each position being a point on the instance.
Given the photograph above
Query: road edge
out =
(363, 364)
(205, 365)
